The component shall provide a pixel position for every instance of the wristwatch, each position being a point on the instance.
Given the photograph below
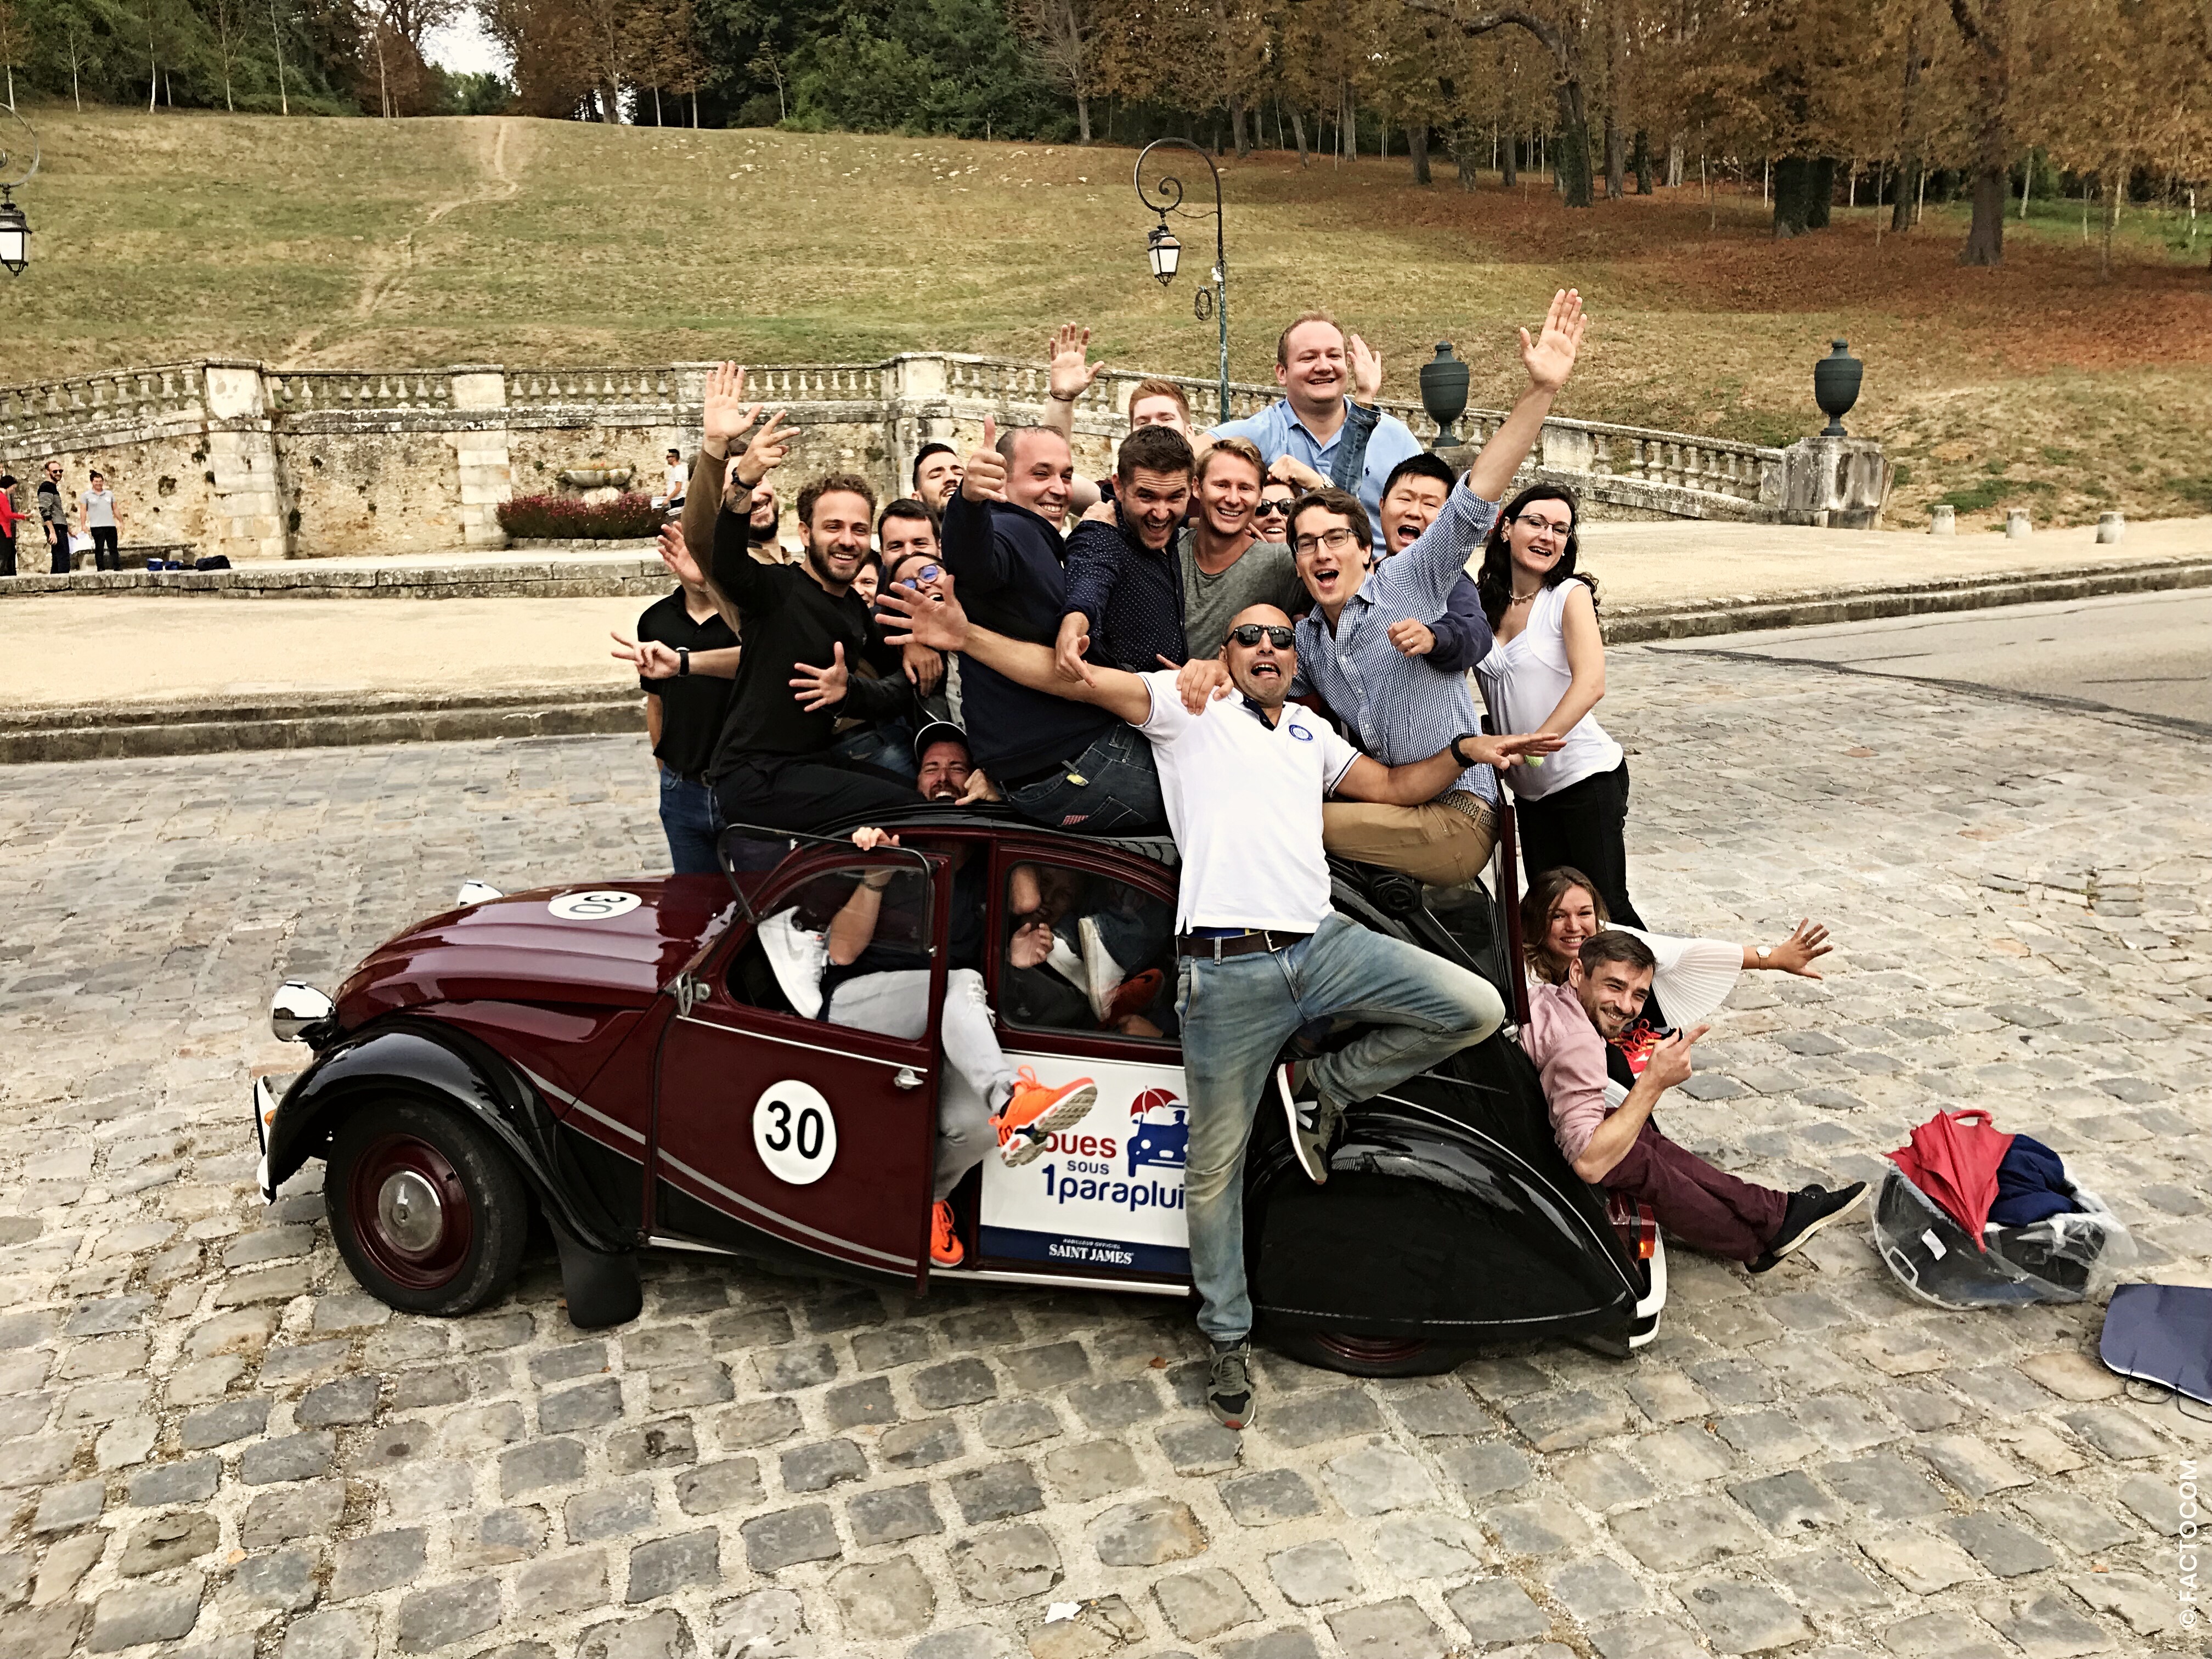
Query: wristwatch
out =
(683, 660)
(1763, 951)
(1455, 743)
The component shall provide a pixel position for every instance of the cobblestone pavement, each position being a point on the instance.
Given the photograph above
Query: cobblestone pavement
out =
(215, 1445)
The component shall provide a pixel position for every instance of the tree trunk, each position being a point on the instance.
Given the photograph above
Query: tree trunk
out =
(1511, 170)
(2117, 183)
(1793, 194)
(1464, 160)
(1417, 146)
(1083, 115)
(1572, 150)
(1675, 161)
(1639, 160)
(1236, 127)
(1616, 125)
(1986, 39)
(1298, 129)
(1819, 191)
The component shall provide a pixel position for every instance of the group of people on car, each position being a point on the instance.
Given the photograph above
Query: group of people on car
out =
(1165, 667)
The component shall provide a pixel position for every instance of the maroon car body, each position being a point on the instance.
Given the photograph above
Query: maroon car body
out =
(632, 1059)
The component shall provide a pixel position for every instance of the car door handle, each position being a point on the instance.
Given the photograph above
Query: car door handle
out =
(907, 1078)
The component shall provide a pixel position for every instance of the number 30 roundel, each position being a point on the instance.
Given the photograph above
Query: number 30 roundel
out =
(795, 1132)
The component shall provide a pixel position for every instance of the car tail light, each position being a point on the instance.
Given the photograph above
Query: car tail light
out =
(1636, 1224)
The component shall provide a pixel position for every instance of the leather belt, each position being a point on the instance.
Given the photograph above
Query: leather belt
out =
(1237, 945)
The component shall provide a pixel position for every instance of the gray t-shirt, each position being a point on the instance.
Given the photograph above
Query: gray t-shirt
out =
(98, 509)
(1267, 573)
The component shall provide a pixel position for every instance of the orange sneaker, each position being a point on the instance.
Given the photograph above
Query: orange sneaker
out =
(945, 1239)
(1033, 1113)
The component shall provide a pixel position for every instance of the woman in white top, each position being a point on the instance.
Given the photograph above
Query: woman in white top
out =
(1545, 673)
(1562, 908)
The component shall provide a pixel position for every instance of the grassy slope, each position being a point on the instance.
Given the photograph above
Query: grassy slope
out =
(363, 243)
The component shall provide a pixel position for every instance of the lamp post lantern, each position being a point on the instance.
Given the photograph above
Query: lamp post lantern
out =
(15, 229)
(1164, 252)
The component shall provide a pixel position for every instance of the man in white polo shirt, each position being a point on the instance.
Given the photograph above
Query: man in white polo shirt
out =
(1262, 953)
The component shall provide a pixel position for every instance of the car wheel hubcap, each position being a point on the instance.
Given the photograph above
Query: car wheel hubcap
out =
(409, 1208)
(410, 1212)
(1370, 1350)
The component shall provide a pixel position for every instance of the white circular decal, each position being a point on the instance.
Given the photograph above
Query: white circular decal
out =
(795, 1132)
(594, 907)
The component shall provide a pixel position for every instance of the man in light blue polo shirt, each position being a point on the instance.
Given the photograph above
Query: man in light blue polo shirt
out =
(1318, 427)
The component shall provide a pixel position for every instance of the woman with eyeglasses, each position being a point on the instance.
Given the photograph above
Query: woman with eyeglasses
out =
(1546, 674)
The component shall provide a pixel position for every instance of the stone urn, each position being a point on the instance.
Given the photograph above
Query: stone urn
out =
(1444, 393)
(1836, 379)
(597, 477)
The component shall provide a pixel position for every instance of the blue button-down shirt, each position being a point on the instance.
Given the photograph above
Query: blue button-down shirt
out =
(1276, 431)
(1399, 709)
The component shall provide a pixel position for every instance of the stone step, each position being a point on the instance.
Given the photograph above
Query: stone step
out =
(278, 720)
(623, 572)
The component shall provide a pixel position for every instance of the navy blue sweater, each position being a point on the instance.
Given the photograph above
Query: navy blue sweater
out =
(1006, 566)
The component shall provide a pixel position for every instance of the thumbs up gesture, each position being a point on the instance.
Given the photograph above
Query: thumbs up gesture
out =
(985, 480)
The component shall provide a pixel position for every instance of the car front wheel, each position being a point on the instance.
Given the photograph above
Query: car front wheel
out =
(427, 1210)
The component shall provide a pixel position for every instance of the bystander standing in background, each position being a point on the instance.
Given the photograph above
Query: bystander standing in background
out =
(11, 515)
(98, 517)
(674, 478)
(53, 518)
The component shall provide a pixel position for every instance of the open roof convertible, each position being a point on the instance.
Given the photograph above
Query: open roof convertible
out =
(637, 1059)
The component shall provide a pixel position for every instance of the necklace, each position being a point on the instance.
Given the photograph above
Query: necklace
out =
(1523, 599)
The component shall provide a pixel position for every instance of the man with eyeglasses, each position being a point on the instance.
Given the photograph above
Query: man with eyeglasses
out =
(1261, 950)
(1233, 556)
(1397, 707)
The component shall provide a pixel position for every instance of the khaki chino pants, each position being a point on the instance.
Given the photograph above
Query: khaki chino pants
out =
(1431, 843)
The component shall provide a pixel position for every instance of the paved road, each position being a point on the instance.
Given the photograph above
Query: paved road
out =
(210, 1443)
(2143, 654)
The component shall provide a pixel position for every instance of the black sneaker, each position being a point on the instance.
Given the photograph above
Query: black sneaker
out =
(1312, 1121)
(1228, 1387)
(1811, 1208)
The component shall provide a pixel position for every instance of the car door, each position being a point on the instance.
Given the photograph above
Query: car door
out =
(769, 1119)
(1104, 1203)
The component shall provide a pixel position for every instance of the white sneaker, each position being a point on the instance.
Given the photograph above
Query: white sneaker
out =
(1102, 974)
(1312, 1122)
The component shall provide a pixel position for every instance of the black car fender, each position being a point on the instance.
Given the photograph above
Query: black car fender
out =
(426, 1060)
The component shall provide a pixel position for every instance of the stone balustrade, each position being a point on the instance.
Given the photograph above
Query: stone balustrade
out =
(260, 462)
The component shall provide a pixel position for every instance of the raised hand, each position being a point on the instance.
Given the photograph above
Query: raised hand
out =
(1287, 470)
(985, 478)
(1031, 946)
(935, 620)
(727, 414)
(652, 660)
(1414, 639)
(1806, 945)
(867, 838)
(1550, 357)
(1366, 372)
(1071, 373)
(767, 450)
(820, 688)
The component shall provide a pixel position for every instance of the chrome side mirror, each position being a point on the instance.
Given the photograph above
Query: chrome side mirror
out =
(475, 892)
(296, 1009)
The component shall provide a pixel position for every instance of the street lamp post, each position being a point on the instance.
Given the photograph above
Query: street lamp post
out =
(15, 229)
(1162, 251)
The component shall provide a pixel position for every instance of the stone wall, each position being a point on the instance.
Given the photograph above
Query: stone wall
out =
(261, 463)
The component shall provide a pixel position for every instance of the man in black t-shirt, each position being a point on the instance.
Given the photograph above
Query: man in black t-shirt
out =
(803, 628)
(686, 657)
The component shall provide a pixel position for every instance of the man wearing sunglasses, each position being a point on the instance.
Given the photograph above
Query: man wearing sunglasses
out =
(1235, 555)
(1262, 952)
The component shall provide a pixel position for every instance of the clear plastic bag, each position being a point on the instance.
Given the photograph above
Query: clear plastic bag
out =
(2069, 1257)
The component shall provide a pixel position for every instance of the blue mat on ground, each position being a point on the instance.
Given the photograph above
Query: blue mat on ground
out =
(2161, 1334)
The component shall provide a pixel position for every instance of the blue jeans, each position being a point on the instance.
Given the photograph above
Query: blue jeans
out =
(693, 823)
(887, 743)
(1237, 1013)
(1118, 793)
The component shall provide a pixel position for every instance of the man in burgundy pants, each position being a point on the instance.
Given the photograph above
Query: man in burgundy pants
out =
(1613, 1143)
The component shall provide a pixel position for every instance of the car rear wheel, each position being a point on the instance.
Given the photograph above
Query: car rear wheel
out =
(1370, 1356)
(426, 1208)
